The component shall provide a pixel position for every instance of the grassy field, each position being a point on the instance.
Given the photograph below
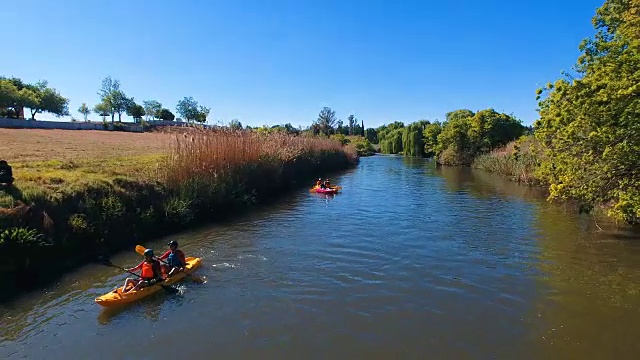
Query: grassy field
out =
(78, 194)
(52, 162)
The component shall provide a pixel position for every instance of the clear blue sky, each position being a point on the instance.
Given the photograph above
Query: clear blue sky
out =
(271, 61)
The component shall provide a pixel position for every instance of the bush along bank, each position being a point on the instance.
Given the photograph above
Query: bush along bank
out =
(205, 176)
(518, 160)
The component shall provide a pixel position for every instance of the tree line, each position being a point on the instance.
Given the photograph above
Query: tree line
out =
(16, 96)
(456, 141)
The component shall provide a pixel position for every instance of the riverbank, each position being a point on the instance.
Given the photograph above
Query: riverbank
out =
(79, 194)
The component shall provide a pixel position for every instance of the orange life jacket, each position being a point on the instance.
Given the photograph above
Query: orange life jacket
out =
(147, 270)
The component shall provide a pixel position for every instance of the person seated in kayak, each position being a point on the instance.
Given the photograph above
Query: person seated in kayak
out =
(176, 261)
(150, 273)
(319, 183)
(327, 184)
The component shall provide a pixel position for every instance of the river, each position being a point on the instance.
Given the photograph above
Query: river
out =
(409, 261)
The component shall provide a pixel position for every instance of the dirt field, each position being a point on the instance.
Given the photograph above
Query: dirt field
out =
(25, 145)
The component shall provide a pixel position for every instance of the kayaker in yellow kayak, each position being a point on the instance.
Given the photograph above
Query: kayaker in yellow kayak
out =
(150, 273)
(176, 261)
(319, 182)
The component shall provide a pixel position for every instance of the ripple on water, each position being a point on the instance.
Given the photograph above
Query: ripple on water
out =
(409, 261)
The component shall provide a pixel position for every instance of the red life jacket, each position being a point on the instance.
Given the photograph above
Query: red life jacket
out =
(148, 270)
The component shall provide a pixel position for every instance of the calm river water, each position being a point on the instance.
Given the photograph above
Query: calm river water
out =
(409, 261)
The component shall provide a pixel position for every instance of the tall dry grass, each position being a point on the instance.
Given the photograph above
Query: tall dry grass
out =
(518, 160)
(209, 171)
(213, 154)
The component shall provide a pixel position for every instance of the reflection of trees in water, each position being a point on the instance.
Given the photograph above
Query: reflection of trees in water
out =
(591, 286)
(483, 184)
(589, 282)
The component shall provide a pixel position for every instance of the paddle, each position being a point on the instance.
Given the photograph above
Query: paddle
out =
(107, 262)
(140, 250)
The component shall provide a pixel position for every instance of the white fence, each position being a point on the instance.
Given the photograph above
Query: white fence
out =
(65, 125)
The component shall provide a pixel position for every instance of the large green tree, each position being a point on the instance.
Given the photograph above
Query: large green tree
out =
(152, 108)
(590, 121)
(191, 111)
(326, 121)
(107, 90)
(48, 100)
(135, 111)
(15, 95)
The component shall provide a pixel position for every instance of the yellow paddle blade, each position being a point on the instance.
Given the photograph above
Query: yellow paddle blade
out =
(140, 249)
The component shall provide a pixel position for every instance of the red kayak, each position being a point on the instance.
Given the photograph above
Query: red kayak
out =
(325, 191)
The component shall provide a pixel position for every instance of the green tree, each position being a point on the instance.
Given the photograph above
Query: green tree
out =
(103, 110)
(235, 124)
(46, 99)
(391, 142)
(454, 146)
(430, 138)
(412, 139)
(167, 115)
(16, 95)
(489, 129)
(390, 137)
(136, 111)
(120, 103)
(107, 90)
(372, 135)
(202, 114)
(84, 110)
(152, 108)
(459, 114)
(590, 123)
(326, 121)
(352, 121)
(188, 109)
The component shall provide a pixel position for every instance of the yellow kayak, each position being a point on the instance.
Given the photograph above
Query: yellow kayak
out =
(116, 297)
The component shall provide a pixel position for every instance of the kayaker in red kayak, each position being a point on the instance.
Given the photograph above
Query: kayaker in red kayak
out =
(327, 184)
(150, 273)
(175, 258)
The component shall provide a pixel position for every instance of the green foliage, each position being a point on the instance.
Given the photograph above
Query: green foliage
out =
(430, 138)
(326, 122)
(189, 109)
(15, 95)
(372, 135)
(166, 115)
(78, 223)
(412, 139)
(363, 146)
(519, 160)
(459, 114)
(340, 137)
(136, 111)
(103, 110)
(152, 108)
(235, 124)
(49, 100)
(14, 238)
(391, 142)
(108, 88)
(590, 124)
(84, 110)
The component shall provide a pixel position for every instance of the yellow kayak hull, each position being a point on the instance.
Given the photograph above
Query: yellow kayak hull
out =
(117, 298)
